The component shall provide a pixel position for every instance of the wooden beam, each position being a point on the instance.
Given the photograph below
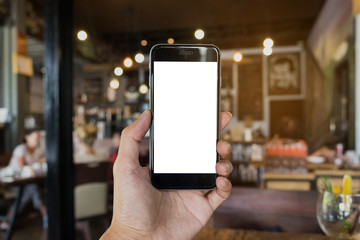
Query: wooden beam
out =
(58, 118)
(225, 37)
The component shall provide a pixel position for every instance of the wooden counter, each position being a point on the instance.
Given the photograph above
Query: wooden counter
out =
(309, 166)
(262, 209)
(238, 234)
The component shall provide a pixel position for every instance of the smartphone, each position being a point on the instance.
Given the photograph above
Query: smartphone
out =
(184, 102)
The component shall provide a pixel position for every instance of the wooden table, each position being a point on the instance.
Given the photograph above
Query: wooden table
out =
(20, 183)
(239, 234)
(262, 209)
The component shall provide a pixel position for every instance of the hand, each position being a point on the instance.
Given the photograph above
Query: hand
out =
(143, 212)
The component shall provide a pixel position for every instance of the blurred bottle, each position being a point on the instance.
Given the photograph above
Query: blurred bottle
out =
(339, 153)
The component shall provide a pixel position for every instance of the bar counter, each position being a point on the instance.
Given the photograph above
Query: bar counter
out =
(250, 213)
(239, 234)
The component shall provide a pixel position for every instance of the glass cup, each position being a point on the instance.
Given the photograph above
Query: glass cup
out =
(338, 214)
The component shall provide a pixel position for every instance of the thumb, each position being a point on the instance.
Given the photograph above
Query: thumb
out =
(130, 140)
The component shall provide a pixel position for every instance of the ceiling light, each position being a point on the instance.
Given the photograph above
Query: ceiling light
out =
(114, 83)
(171, 41)
(267, 51)
(82, 35)
(143, 43)
(118, 71)
(268, 43)
(128, 62)
(143, 89)
(238, 56)
(139, 58)
(199, 34)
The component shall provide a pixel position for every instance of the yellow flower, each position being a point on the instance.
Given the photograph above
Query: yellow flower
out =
(336, 190)
(346, 191)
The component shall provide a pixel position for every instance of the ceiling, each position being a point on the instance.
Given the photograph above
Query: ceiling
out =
(117, 26)
(227, 23)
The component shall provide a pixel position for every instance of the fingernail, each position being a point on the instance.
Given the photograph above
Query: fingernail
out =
(147, 111)
(230, 114)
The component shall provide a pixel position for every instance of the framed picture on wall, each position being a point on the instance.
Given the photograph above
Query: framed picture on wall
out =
(284, 74)
(250, 88)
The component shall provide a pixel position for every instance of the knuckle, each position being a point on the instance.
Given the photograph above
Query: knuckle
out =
(126, 132)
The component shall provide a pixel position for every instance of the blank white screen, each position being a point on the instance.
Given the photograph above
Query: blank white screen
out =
(185, 117)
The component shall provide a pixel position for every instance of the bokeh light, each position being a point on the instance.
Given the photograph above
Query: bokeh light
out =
(199, 34)
(82, 35)
(118, 71)
(114, 83)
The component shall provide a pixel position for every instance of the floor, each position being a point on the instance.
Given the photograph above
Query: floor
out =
(29, 227)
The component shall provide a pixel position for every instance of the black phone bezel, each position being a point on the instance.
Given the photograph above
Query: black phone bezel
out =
(182, 52)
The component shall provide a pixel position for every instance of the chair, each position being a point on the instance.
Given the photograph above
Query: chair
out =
(5, 159)
(91, 194)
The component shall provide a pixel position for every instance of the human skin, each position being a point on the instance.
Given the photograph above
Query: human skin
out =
(143, 212)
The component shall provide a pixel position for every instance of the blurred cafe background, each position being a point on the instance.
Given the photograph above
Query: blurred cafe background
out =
(74, 74)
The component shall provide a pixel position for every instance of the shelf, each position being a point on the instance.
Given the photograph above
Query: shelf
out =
(133, 103)
(94, 103)
(256, 141)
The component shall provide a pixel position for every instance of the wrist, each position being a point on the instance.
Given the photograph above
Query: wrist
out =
(107, 235)
(110, 234)
(119, 233)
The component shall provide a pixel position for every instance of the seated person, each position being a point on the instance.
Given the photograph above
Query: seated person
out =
(85, 137)
(28, 153)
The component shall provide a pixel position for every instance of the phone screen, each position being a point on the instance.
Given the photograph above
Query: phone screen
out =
(184, 101)
(185, 116)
